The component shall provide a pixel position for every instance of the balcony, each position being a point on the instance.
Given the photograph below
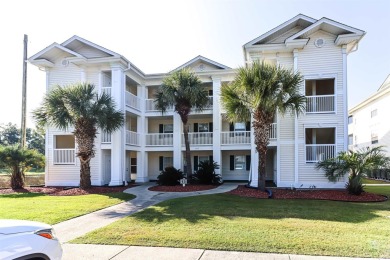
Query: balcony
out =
(64, 156)
(244, 137)
(106, 137)
(205, 138)
(320, 104)
(151, 106)
(157, 139)
(319, 152)
(133, 101)
(132, 138)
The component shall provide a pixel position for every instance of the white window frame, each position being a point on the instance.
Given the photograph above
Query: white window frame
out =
(239, 165)
(202, 126)
(167, 162)
(165, 131)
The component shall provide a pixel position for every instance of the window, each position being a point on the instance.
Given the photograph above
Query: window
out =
(374, 113)
(64, 142)
(204, 158)
(320, 95)
(64, 149)
(350, 139)
(350, 120)
(133, 165)
(203, 127)
(168, 128)
(239, 162)
(165, 162)
(374, 137)
(239, 126)
(320, 144)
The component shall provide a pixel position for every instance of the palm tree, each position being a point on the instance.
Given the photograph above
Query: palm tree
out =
(356, 163)
(259, 91)
(19, 160)
(184, 91)
(79, 106)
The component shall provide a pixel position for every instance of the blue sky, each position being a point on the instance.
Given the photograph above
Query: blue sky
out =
(158, 36)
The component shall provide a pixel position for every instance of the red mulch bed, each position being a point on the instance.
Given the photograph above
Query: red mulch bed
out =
(180, 188)
(338, 195)
(61, 191)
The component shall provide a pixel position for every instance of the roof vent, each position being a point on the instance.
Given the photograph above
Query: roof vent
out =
(64, 62)
(319, 42)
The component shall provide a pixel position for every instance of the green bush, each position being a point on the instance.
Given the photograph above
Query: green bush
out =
(170, 176)
(354, 186)
(206, 173)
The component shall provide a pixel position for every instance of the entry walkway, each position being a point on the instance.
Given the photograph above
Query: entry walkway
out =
(79, 226)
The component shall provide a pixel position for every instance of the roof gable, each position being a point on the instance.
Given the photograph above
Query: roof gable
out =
(51, 52)
(201, 63)
(88, 49)
(283, 31)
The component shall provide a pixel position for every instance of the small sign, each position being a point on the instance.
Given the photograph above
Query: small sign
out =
(183, 182)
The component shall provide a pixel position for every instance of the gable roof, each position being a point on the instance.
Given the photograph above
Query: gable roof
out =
(300, 20)
(202, 59)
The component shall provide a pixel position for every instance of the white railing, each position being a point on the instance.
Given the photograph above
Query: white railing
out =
(107, 91)
(151, 106)
(106, 137)
(64, 156)
(133, 101)
(210, 103)
(319, 152)
(320, 104)
(132, 138)
(272, 131)
(199, 138)
(238, 137)
(159, 139)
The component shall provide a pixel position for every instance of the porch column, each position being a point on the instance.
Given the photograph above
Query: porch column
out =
(217, 124)
(118, 139)
(142, 130)
(177, 145)
(345, 99)
(254, 159)
(142, 167)
(296, 157)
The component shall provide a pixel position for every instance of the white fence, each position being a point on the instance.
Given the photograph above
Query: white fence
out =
(159, 139)
(242, 137)
(319, 152)
(106, 138)
(320, 104)
(64, 156)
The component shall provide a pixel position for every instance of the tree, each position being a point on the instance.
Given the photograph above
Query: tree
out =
(184, 91)
(18, 160)
(80, 107)
(356, 163)
(10, 135)
(259, 91)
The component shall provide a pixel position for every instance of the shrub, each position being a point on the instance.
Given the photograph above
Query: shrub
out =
(170, 176)
(206, 173)
(354, 186)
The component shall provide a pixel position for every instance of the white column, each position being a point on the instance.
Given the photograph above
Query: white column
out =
(254, 159)
(217, 123)
(83, 77)
(142, 130)
(177, 145)
(118, 137)
(345, 99)
(142, 167)
(296, 155)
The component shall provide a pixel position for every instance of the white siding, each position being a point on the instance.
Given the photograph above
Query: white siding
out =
(63, 75)
(226, 173)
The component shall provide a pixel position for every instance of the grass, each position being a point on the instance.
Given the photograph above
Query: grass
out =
(55, 209)
(228, 222)
(373, 181)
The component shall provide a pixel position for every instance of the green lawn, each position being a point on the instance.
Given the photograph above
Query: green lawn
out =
(228, 222)
(55, 209)
(372, 181)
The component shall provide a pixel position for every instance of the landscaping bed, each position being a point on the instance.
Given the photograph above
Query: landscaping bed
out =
(337, 195)
(180, 188)
(62, 191)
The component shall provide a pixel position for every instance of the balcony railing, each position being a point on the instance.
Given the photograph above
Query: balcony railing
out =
(133, 101)
(106, 138)
(320, 104)
(238, 137)
(319, 152)
(165, 139)
(64, 156)
(272, 131)
(132, 138)
(199, 138)
(151, 106)
(107, 90)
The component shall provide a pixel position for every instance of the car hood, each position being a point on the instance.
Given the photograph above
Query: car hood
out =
(10, 226)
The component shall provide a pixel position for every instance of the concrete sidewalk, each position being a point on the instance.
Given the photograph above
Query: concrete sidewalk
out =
(105, 252)
(79, 226)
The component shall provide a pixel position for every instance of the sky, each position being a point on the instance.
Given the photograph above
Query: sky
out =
(158, 36)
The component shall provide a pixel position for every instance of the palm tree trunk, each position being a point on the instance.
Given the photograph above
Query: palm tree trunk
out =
(188, 151)
(85, 175)
(17, 180)
(261, 168)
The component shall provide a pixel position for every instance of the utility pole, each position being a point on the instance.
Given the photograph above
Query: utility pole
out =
(24, 94)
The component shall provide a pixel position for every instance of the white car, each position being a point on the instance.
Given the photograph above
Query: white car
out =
(22, 240)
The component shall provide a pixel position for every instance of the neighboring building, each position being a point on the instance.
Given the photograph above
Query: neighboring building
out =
(368, 121)
(150, 141)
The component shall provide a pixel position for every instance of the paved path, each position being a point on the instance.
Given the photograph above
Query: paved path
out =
(79, 226)
(106, 252)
